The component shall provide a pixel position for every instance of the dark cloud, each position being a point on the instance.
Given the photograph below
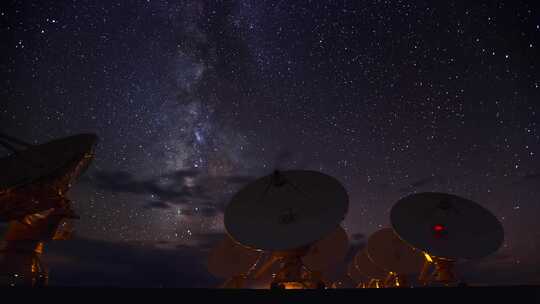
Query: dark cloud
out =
(124, 182)
(85, 262)
(182, 174)
(195, 211)
(182, 187)
(239, 179)
(209, 240)
(208, 211)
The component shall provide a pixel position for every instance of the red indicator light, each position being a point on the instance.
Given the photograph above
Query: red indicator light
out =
(438, 228)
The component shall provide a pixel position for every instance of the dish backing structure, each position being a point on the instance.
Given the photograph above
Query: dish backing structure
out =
(34, 181)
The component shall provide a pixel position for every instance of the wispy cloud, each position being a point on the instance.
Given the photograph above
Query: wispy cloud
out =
(199, 194)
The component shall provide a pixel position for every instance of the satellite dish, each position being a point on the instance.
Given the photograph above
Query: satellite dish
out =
(55, 164)
(387, 250)
(446, 226)
(355, 274)
(327, 253)
(286, 210)
(35, 227)
(45, 161)
(368, 268)
(229, 259)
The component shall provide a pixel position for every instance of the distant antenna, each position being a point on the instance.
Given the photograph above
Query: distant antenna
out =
(396, 257)
(370, 270)
(355, 275)
(35, 179)
(447, 228)
(327, 253)
(33, 186)
(229, 259)
(386, 249)
(286, 213)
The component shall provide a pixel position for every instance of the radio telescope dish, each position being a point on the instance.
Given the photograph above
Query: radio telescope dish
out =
(35, 227)
(44, 161)
(387, 250)
(367, 267)
(229, 259)
(286, 210)
(447, 226)
(355, 274)
(55, 165)
(328, 252)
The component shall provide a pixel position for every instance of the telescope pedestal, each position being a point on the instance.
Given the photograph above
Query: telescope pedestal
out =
(292, 274)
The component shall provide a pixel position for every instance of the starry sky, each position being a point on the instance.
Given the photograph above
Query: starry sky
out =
(191, 100)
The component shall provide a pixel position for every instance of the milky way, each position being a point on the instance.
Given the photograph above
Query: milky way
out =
(193, 99)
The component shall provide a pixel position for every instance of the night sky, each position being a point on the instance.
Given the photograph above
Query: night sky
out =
(192, 99)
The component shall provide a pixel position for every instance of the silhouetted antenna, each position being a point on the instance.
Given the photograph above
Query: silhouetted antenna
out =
(375, 274)
(355, 275)
(230, 259)
(388, 251)
(45, 162)
(396, 257)
(33, 186)
(328, 252)
(295, 216)
(447, 228)
(297, 212)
